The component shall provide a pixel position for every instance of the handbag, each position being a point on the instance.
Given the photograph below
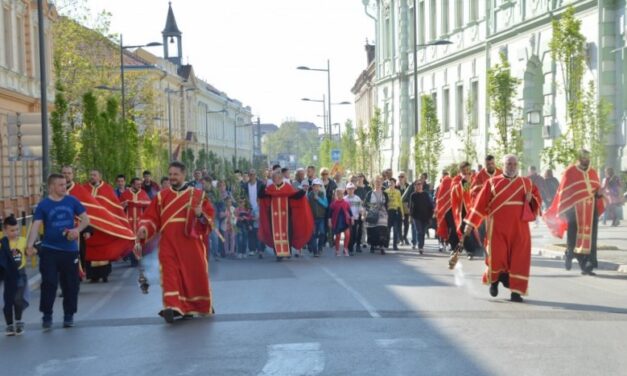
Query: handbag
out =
(527, 214)
(372, 215)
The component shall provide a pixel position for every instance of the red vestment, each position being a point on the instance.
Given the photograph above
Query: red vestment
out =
(284, 220)
(576, 190)
(442, 206)
(105, 194)
(508, 239)
(182, 248)
(479, 180)
(111, 238)
(136, 203)
(461, 200)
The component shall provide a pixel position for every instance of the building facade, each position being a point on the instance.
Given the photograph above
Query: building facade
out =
(364, 91)
(455, 74)
(20, 181)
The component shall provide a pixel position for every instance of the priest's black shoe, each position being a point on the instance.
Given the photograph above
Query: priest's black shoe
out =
(494, 289)
(516, 297)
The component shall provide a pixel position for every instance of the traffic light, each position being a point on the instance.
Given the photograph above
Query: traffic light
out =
(25, 142)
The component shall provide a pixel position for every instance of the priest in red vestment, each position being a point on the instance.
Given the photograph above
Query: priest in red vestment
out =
(109, 239)
(443, 208)
(135, 201)
(461, 201)
(575, 210)
(502, 201)
(285, 218)
(182, 215)
(478, 181)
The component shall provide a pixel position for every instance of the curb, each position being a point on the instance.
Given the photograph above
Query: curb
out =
(559, 255)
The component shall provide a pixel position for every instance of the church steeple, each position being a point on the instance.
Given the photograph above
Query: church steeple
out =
(171, 35)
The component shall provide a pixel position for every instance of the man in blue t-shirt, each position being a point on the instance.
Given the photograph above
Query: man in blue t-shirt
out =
(58, 257)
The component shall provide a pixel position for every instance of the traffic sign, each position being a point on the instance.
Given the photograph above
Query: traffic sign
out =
(335, 155)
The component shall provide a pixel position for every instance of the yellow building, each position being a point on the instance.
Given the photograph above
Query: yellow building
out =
(20, 182)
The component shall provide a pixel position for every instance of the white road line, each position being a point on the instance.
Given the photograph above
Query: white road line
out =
(105, 299)
(294, 359)
(56, 366)
(371, 310)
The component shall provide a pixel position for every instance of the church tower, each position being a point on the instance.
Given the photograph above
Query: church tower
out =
(172, 46)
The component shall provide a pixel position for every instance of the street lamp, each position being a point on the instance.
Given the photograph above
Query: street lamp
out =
(328, 70)
(207, 132)
(437, 42)
(325, 114)
(122, 48)
(324, 111)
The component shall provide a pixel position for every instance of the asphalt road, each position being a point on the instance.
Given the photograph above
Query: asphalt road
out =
(398, 314)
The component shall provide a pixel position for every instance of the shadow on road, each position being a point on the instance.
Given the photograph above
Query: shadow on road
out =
(577, 306)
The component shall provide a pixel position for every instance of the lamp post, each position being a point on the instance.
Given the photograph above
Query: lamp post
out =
(207, 132)
(438, 42)
(328, 70)
(122, 48)
(326, 114)
(45, 161)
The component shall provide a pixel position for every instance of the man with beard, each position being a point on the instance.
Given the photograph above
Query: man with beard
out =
(489, 171)
(576, 210)
(502, 201)
(183, 216)
(461, 201)
(135, 201)
(285, 218)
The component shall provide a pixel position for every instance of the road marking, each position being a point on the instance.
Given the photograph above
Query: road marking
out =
(105, 299)
(371, 310)
(56, 366)
(294, 359)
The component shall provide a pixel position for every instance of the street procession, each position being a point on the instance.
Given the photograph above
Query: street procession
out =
(466, 216)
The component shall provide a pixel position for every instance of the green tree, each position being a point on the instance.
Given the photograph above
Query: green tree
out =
(349, 147)
(363, 152)
(469, 146)
(502, 88)
(63, 147)
(188, 158)
(428, 141)
(376, 133)
(291, 139)
(325, 152)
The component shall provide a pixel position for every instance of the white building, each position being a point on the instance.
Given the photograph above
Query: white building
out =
(479, 31)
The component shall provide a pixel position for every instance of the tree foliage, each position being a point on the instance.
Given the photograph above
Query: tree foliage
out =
(376, 134)
(586, 118)
(348, 147)
(469, 146)
(291, 139)
(502, 88)
(63, 146)
(428, 141)
(364, 157)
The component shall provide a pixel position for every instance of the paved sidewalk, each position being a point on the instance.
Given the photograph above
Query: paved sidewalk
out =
(611, 251)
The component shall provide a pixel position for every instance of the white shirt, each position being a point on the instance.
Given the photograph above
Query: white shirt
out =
(252, 195)
(355, 203)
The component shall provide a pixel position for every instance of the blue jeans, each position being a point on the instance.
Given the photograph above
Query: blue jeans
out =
(242, 240)
(214, 243)
(316, 243)
(420, 229)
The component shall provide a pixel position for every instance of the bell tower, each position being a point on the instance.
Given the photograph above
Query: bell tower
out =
(172, 45)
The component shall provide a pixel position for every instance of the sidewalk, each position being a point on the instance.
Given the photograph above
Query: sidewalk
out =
(611, 245)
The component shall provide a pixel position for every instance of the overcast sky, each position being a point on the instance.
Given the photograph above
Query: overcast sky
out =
(250, 48)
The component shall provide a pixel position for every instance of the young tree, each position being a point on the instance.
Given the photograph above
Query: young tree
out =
(469, 146)
(428, 141)
(375, 137)
(363, 157)
(325, 152)
(348, 146)
(568, 49)
(502, 88)
(63, 147)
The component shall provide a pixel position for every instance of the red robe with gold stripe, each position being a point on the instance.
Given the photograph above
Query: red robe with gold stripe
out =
(508, 239)
(284, 221)
(461, 201)
(105, 194)
(136, 203)
(577, 190)
(480, 178)
(442, 206)
(182, 248)
(111, 238)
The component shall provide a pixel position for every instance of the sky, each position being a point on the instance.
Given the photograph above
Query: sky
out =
(250, 49)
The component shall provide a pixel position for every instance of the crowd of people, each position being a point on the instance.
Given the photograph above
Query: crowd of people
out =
(84, 227)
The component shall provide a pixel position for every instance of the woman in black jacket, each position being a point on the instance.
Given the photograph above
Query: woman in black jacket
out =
(421, 209)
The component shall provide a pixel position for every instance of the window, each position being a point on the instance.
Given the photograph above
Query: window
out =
(459, 13)
(21, 67)
(8, 39)
(446, 126)
(474, 10)
(433, 30)
(421, 22)
(388, 34)
(474, 98)
(444, 12)
(459, 107)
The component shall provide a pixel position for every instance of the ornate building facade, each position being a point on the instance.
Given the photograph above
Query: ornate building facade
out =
(455, 74)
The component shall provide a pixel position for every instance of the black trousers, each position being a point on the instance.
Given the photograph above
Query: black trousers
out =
(406, 224)
(58, 268)
(586, 262)
(394, 224)
(471, 245)
(355, 239)
(14, 303)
